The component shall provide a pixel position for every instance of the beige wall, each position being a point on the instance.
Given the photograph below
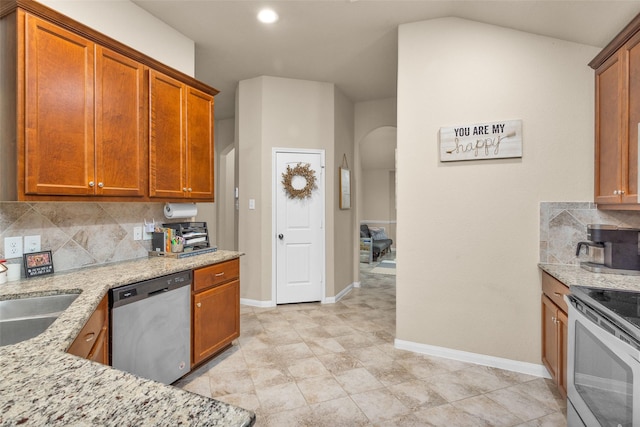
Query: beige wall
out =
(129, 24)
(469, 231)
(282, 113)
(379, 197)
(344, 230)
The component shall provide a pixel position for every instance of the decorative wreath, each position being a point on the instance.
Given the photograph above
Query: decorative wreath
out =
(305, 172)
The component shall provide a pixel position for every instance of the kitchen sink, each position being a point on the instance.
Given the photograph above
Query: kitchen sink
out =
(24, 318)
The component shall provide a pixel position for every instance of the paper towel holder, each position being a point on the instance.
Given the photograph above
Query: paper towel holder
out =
(180, 210)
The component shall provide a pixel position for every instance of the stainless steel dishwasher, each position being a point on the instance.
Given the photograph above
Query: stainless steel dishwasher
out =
(151, 327)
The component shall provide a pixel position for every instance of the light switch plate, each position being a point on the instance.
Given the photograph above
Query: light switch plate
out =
(13, 247)
(31, 244)
(137, 233)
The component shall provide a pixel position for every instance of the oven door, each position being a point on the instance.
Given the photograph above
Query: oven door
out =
(603, 375)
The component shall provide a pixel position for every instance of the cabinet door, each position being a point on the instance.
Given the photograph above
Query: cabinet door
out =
(121, 166)
(563, 337)
(92, 341)
(167, 154)
(216, 319)
(199, 125)
(59, 137)
(550, 337)
(609, 87)
(632, 107)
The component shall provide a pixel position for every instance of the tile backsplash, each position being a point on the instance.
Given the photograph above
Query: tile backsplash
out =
(564, 224)
(81, 234)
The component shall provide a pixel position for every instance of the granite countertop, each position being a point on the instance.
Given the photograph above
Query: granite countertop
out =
(41, 384)
(574, 275)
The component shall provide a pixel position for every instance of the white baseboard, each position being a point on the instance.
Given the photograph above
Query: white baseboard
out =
(257, 303)
(342, 294)
(478, 359)
(357, 285)
(328, 300)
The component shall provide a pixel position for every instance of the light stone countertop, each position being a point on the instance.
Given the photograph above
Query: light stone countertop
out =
(41, 384)
(574, 275)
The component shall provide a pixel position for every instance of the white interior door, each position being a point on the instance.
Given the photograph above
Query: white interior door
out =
(299, 231)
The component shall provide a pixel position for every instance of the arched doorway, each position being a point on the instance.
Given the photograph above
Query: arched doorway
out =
(377, 183)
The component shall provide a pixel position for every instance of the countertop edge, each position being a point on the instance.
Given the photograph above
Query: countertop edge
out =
(43, 384)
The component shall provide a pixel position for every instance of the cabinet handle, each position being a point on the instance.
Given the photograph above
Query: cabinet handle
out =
(558, 294)
(199, 305)
(91, 184)
(100, 185)
(90, 336)
(220, 274)
(553, 319)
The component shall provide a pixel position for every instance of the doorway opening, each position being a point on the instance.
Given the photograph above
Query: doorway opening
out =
(378, 200)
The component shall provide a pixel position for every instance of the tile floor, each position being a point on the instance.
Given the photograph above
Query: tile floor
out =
(335, 365)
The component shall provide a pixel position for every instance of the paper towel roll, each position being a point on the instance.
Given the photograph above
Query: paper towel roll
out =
(180, 210)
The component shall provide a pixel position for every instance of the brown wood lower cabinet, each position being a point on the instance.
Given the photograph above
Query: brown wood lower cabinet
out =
(93, 340)
(554, 330)
(215, 308)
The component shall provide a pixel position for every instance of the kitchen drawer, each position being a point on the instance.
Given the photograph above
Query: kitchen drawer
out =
(91, 331)
(555, 290)
(216, 274)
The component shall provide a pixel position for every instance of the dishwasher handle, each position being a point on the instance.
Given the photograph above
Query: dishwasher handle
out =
(159, 291)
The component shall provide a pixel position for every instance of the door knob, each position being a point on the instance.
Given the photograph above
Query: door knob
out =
(280, 236)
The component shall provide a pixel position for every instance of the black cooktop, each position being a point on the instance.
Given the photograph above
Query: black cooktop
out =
(620, 307)
(624, 303)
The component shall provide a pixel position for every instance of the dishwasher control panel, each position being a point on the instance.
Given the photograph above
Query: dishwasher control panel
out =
(128, 294)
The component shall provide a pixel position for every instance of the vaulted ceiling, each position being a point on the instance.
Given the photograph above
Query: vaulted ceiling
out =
(354, 43)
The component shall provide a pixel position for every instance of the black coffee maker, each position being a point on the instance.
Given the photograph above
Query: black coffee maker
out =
(620, 245)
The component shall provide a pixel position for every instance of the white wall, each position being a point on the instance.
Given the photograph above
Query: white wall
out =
(468, 231)
(129, 24)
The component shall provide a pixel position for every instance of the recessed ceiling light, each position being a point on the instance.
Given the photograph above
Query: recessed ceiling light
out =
(267, 16)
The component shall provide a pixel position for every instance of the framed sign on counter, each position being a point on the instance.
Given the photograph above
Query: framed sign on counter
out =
(38, 263)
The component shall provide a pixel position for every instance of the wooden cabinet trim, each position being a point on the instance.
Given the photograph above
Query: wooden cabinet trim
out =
(618, 41)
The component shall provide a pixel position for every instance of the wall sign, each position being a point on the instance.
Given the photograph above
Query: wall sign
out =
(482, 141)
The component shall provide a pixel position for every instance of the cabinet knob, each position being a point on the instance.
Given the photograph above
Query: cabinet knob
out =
(189, 189)
(184, 189)
(621, 192)
(100, 185)
(91, 184)
(199, 304)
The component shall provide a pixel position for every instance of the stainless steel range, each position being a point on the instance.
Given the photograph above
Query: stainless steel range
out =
(603, 361)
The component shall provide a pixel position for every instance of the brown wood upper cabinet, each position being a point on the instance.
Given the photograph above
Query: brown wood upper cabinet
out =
(75, 116)
(84, 124)
(181, 140)
(617, 74)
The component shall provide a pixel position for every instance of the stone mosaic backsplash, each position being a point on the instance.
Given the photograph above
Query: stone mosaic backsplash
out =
(80, 234)
(564, 224)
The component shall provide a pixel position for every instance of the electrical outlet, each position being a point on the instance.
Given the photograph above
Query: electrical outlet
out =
(13, 247)
(31, 244)
(137, 233)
